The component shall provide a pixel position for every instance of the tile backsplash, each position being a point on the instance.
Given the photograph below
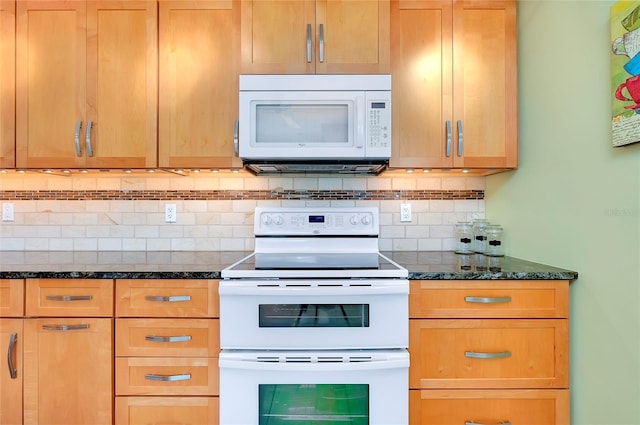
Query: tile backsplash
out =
(215, 212)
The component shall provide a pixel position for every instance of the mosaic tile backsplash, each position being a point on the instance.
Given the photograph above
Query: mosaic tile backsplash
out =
(215, 213)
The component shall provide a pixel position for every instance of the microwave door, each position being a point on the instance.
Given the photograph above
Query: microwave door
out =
(317, 125)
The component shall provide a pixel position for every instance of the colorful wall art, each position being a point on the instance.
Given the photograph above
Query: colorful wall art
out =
(625, 72)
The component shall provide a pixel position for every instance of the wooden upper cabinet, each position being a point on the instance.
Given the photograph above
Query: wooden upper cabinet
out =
(454, 69)
(198, 95)
(86, 84)
(308, 37)
(7, 83)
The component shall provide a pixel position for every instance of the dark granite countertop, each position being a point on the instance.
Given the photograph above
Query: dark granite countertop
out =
(422, 265)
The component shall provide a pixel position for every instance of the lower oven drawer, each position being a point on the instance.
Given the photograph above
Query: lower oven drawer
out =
(314, 314)
(456, 407)
(356, 387)
(166, 410)
(166, 376)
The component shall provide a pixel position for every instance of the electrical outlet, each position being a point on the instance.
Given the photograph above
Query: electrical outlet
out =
(170, 213)
(405, 212)
(7, 212)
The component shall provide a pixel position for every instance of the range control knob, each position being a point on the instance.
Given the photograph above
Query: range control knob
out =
(366, 220)
(354, 220)
(266, 220)
(278, 220)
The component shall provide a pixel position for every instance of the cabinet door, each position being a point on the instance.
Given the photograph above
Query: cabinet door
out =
(199, 45)
(50, 83)
(11, 297)
(421, 59)
(453, 407)
(11, 343)
(352, 37)
(122, 83)
(278, 37)
(167, 410)
(7, 83)
(485, 83)
(68, 371)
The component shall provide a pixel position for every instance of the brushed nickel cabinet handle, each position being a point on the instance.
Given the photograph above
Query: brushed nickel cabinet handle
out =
(487, 300)
(169, 299)
(309, 45)
(448, 147)
(477, 355)
(236, 135)
(65, 328)
(13, 339)
(178, 338)
(167, 378)
(321, 43)
(485, 423)
(460, 138)
(88, 139)
(69, 298)
(76, 138)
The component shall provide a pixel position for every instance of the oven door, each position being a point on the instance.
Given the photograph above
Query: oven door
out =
(306, 314)
(297, 388)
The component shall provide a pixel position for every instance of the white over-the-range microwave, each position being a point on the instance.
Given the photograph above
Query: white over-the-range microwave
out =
(314, 123)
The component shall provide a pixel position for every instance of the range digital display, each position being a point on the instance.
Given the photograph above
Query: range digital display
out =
(378, 105)
(316, 219)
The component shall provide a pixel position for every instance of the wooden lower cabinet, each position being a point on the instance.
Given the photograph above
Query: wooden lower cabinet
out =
(167, 410)
(68, 371)
(456, 407)
(11, 343)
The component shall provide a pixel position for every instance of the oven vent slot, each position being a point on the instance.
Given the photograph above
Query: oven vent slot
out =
(358, 359)
(312, 359)
(360, 284)
(268, 359)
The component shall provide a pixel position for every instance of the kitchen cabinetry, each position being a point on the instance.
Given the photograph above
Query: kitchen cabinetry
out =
(489, 352)
(454, 69)
(7, 83)
(307, 37)
(199, 61)
(167, 345)
(86, 90)
(62, 357)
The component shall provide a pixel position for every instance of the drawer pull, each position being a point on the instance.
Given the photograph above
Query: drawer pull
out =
(179, 338)
(476, 355)
(13, 372)
(69, 297)
(484, 423)
(488, 300)
(65, 327)
(170, 299)
(167, 378)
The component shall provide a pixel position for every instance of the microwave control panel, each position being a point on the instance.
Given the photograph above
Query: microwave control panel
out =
(378, 124)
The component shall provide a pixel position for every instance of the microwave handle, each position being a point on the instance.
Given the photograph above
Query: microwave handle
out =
(236, 131)
(309, 45)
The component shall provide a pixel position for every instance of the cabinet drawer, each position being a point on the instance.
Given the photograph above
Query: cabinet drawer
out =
(11, 297)
(166, 298)
(455, 407)
(168, 337)
(166, 410)
(166, 376)
(69, 297)
(489, 353)
(489, 299)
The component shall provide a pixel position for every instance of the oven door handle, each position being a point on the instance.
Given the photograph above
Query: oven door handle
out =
(265, 288)
(313, 367)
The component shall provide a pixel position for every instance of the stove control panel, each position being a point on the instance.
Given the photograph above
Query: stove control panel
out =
(316, 221)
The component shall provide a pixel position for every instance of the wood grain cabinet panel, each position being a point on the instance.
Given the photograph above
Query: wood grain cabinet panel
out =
(7, 83)
(11, 346)
(167, 410)
(525, 407)
(166, 298)
(69, 297)
(11, 297)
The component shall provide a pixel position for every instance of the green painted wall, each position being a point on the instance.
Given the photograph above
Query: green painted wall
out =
(574, 202)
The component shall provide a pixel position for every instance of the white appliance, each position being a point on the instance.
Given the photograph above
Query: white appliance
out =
(314, 123)
(314, 323)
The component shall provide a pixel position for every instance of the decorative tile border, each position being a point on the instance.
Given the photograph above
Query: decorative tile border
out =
(213, 195)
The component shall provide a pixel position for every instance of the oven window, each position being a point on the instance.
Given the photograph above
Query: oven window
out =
(313, 315)
(318, 404)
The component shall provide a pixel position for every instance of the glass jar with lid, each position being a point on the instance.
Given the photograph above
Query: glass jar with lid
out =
(480, 235)
(495, 242)
(464, 237)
